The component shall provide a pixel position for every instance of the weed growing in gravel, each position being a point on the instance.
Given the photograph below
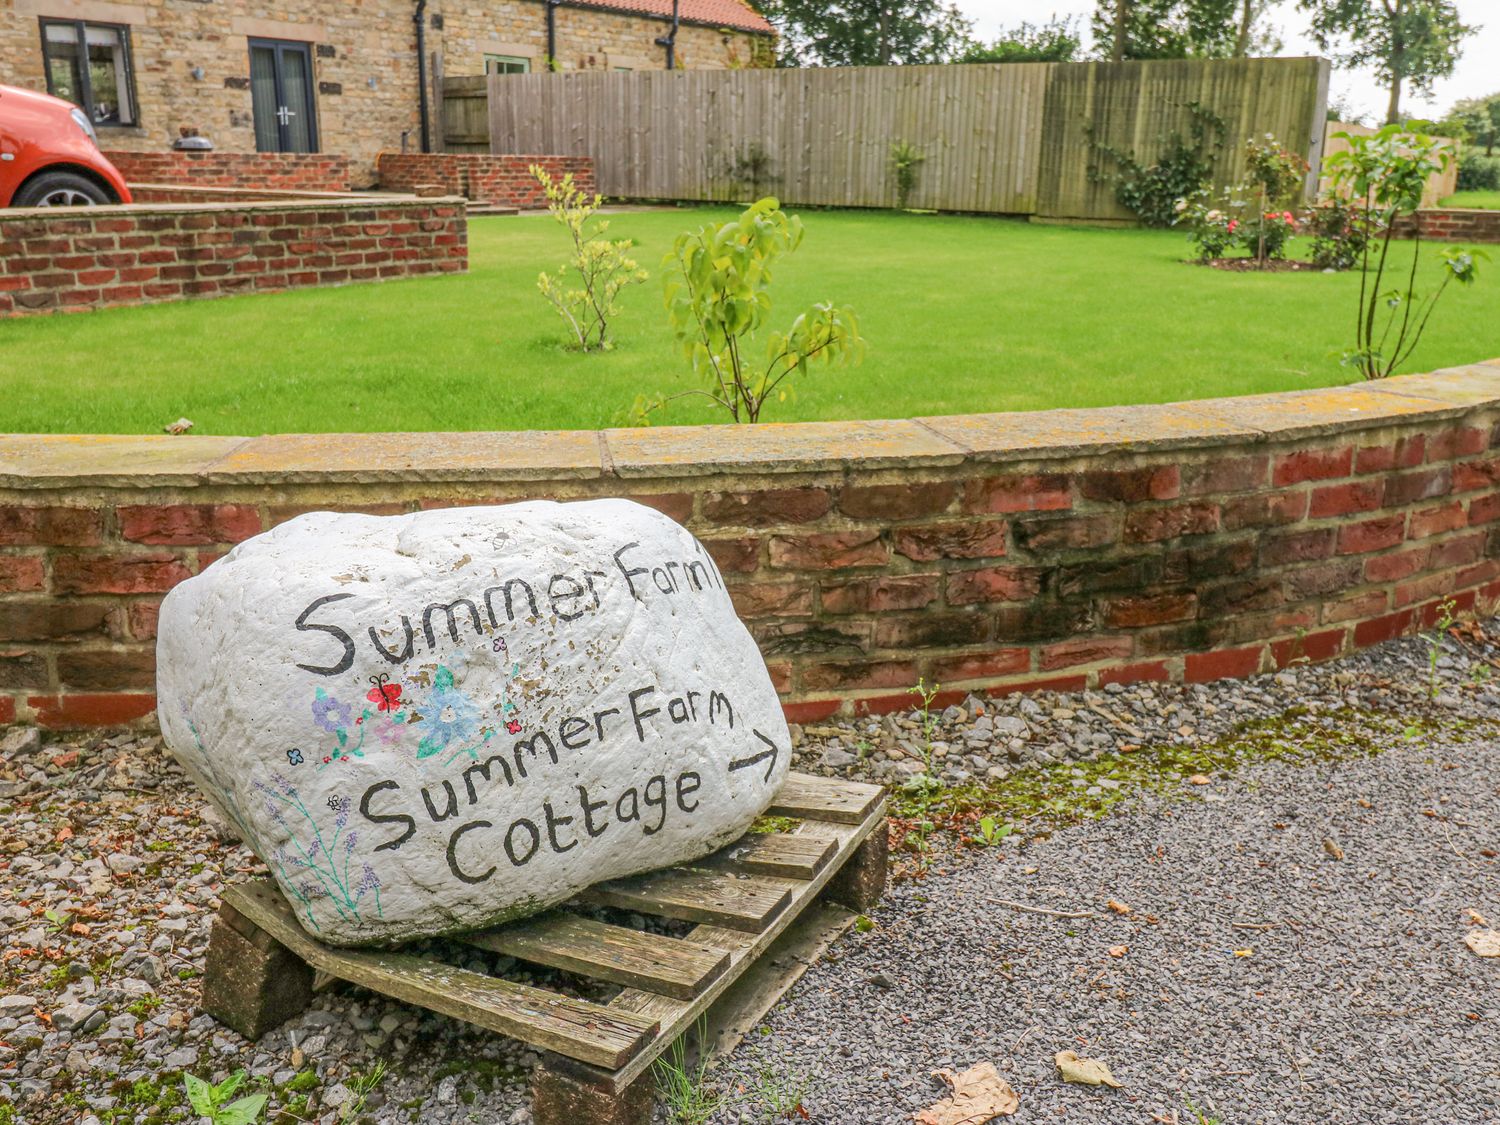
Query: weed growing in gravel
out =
(1036, 799)
(779, 1093)
(360, 1088)
(212, 1101)
(1445, 620)
(688, 1094)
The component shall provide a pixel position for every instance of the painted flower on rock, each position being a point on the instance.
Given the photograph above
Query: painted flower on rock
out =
(329, 713)
(449, 716)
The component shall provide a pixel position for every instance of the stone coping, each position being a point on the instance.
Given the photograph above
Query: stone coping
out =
(31, 461)
(293, 199)
(254, 194)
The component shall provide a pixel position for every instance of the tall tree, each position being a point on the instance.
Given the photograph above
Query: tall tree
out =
(1167, 29)
(1405, 41)
(1054, 41)
(867, 32)
(1476, 120)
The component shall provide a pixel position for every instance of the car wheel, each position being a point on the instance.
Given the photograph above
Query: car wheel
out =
(61, 189)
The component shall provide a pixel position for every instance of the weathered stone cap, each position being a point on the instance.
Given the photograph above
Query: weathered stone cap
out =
(74, 460)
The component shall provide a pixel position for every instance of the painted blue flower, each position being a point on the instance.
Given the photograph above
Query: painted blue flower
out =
(330, 714)
(294, 757)
(449, 716)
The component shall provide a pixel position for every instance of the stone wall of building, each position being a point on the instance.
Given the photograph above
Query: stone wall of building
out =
(503, 180)
(274, 171)
(74, 259)
(989, 553)
(364, 58)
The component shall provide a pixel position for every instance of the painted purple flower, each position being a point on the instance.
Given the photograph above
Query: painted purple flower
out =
(349, 842)
(344, 805)
(329, 713)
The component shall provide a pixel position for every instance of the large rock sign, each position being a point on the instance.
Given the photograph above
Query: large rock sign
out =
(442, 721)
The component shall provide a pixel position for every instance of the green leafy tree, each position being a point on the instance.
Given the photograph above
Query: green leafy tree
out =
(717, 293)
(1406, 42)
(867, 32)
(1386, 173)
(1476, 120)
(1167, 29)
(1057, 40)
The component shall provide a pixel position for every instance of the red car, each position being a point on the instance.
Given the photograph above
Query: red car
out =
(49, 155)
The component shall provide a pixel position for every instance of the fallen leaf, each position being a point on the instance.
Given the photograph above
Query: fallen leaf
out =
(181, 426)
(1118, 950)
(1118, 907)
(1243, 952)
(1331, 846)
(1486, 943)
(79, 928)
(975, 1096)
(1364, 804)
(1199, 779)
(1477, 918)
(1087, 1072)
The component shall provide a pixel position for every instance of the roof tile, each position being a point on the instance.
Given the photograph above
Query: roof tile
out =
(715, 13)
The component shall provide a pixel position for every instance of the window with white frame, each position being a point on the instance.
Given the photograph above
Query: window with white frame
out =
(89, 65)
(506, 64)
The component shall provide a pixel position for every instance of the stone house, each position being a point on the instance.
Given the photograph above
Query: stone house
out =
(330, 75)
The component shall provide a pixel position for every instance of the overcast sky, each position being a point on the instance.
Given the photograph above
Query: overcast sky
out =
(1478, 69)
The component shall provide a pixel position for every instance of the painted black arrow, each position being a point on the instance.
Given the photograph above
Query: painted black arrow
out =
(744, 763)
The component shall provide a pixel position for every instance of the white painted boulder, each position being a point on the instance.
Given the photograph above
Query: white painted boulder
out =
(443, 721)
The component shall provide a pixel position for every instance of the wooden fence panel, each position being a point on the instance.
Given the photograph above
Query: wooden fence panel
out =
(1011, 138)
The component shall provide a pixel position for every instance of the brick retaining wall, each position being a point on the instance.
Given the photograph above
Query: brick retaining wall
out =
(80, 259)
(503, 180)
(991, 553)
(1452, 224)
(278, 171)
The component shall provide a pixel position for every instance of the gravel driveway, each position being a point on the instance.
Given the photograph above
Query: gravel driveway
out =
(1345, 995)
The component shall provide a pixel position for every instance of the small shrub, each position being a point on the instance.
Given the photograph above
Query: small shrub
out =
(1265, 236)
(1212, 229)
(906, 159)
(1478, 173)
(1340, 230)
(1182, 170)
(717, 292)
(600, 266)
(1276, 178)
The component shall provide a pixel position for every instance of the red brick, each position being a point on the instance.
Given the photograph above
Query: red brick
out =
(1402, 489)
(858, 676)
(1484, 509)
(7, 710)
(1368, 603)
(951, 541)
(1458, 551)
(186, 524)
(1422, 589)
(993, 584)
(1049, 533)
(1272, 509)
(110, 670)
(1136, 673)
(1053, 683)
(767, 508)
(1083, 650)
(1323, 578)
(1149, 482)
(1149, 609)
(889, 704)
(1046, 492)
(1371, 535)
(1459, 441)
(50, 527)
(882, 594)
(21, 574)
(117, 574)
(1152, 525)
(932, 630)
(828, 551)
(51, 620)
(781, 676)
(676, 505)
(1469, 475)
(1312, 647)
(1435, 521)
(142, 617)
(78, 710)
(1462, 602)
(1396, 565)
(897, 501)
(1346, 499)
(1202, 667)
(1312, 464)
(981, 666)
(793, 638)
(734, 556)
(1384, 628)
(1405, 453)
(772, 599)
(1224, 474)
(811, 711)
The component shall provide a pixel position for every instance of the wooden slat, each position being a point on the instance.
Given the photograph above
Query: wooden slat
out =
(575, 1028)
(777, 853)
(823, 798)
(743, 903)
(652, 962)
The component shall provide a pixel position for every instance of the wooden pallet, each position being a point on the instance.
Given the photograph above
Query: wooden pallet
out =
(262, 966)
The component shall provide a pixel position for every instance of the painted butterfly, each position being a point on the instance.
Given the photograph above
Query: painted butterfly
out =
(385, 695)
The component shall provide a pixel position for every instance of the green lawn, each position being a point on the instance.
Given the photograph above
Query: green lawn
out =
(1486, 200)
(961, 314)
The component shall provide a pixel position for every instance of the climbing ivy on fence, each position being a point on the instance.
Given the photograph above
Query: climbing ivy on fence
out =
(1184, 167)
